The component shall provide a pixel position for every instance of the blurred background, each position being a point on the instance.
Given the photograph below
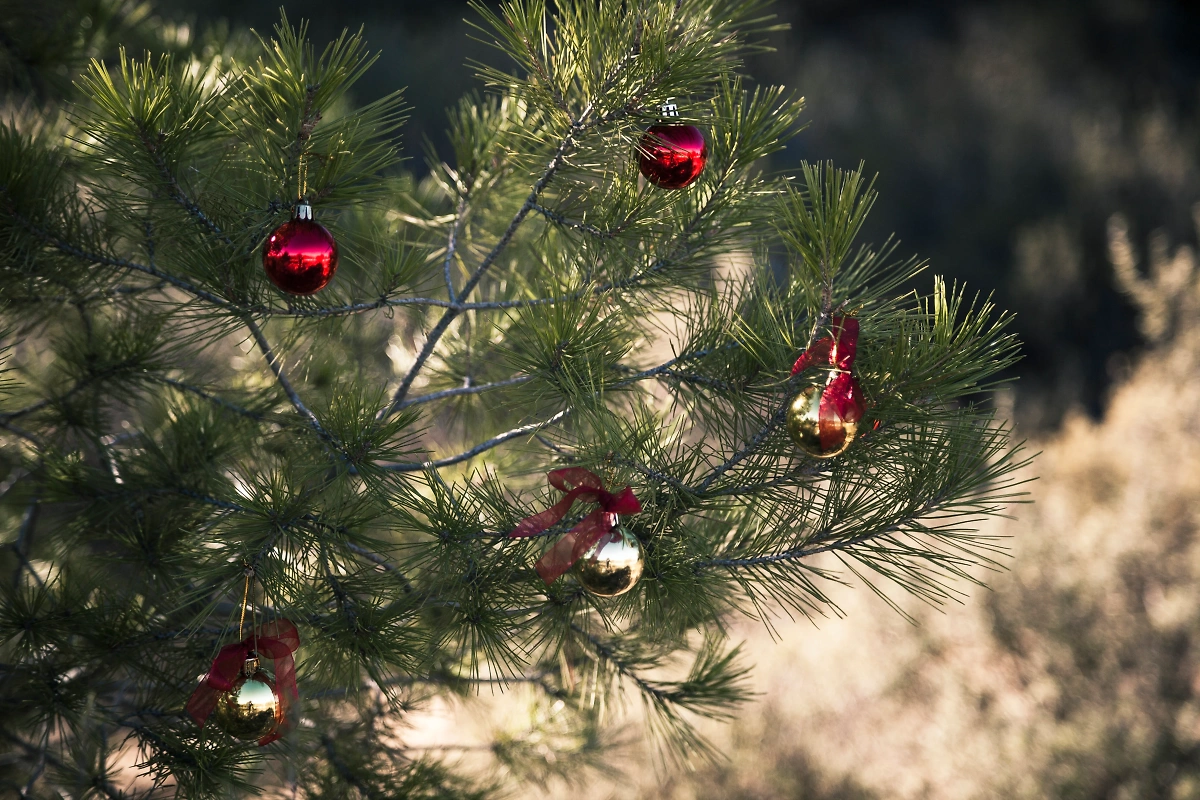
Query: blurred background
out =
(1044, 152)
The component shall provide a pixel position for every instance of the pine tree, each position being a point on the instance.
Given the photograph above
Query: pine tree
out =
(172, 424)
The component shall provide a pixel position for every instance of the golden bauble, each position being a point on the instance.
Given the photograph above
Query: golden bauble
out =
(804, 425)
(613, 565)
(250, 710)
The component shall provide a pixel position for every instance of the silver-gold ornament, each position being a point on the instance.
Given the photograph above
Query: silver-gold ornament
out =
(250, 710)
(613, 565)
(805, 427)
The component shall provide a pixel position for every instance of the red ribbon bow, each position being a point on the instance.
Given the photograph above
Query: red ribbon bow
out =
(578, 483)
(841, 400)
(277, 641)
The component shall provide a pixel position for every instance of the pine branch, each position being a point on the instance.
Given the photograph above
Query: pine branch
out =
(79, 386)
(344, 600)
(380, 561)
(538, 679)
(343, 769)
(577, 128)
(452, 245)
(482, 447)
(22, 433)
(23, 542)
(755, 442)
(281, 377)
(516, 380)
(611, 655)
(212, 398)
(122, 263)
(107, 294)
(559, 219)
(175, 191)
(451, 313)
(98, 781)
(820, 542)
(663, 369)
(311, 519)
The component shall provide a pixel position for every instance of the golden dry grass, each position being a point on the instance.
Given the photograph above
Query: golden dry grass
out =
(1075, 676)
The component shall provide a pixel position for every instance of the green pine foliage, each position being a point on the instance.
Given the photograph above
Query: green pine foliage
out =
(168, 418)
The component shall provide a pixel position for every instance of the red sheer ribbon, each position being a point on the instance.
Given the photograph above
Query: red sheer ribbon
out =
(277, 641)
(841, 400)
(578, 483)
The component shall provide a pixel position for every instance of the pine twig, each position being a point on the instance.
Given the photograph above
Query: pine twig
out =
(22, 433)
(343, 769)
(559, 219)
(382, 562)
(176, 192)
(480, 388)
(761, 436)
(99, 782)
(123, 263)
(21, 546)
(212, 398)
(311, 519)
(578, 127)
(452, 245)
(451, 313)
(286, 385)
(417, 466)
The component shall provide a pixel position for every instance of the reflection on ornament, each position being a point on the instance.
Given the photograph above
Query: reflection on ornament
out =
(613, 564)
(807, 431)
(300, 256)
(250, 710)
(672, 156)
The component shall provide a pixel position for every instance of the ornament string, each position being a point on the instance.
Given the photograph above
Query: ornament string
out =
(841, 399)
(249, 574)
(579, 484)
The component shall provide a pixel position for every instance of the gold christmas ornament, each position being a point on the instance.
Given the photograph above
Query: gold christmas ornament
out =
(804, 425)
(613, 565)
(250, 710)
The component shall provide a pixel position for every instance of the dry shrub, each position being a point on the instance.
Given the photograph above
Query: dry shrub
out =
(1075, 676)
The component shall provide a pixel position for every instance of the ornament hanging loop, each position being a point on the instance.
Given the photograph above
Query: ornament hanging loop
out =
(669, 108)
(302, 171)
(249, 574)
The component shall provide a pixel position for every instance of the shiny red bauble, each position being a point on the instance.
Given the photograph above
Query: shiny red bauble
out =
(672, 156)
(301, 256)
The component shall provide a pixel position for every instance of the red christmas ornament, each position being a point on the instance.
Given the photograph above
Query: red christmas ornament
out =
(672, 156)
(301, 256)
(583, 484)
